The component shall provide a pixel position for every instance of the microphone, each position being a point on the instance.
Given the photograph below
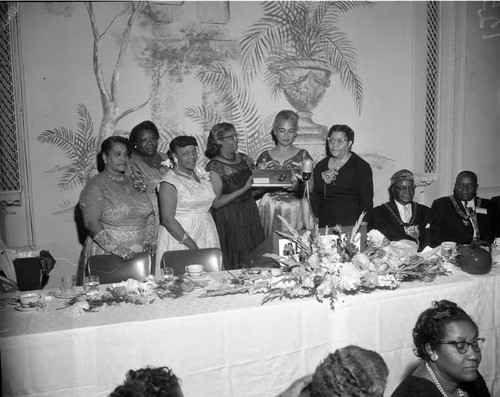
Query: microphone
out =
(307, 166)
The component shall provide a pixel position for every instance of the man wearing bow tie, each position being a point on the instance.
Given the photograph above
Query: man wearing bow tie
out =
(401, 218)
(464, 217)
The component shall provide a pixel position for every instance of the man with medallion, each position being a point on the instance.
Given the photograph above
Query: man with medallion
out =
(464, 217)
(401, 218)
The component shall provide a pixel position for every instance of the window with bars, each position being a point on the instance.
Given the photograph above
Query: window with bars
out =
(432, 86)
(10, 178)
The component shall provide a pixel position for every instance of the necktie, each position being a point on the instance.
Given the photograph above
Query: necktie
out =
(407, 214)
(472, 215)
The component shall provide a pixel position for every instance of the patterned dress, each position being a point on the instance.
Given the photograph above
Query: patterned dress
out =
(138, 169)
(193, 213)
(290, 205)
(238, 223)
(127, 214)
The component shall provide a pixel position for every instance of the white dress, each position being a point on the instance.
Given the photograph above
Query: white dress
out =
(193, 213)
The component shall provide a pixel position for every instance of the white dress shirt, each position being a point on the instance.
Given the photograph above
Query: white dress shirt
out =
(404, 211)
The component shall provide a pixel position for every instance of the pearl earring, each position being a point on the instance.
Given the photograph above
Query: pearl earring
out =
(434, 357)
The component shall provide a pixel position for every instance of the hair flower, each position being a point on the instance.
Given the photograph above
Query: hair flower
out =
(166, 163)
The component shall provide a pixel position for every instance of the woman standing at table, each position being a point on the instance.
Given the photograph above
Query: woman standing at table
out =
(234, 210)
(447, 341)
(343, 181)
(119, 219)
(285, 156)
(186, 196)
(146, 165)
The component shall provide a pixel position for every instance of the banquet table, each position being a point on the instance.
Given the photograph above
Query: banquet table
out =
(231, 345)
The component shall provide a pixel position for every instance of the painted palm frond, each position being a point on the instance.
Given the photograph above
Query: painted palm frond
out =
(204, 115)
(78, 147)
(238, 105)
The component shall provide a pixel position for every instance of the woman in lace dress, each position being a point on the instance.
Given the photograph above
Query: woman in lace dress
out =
(185, 197)
(234, 210)
(290, 204)
(119, 219)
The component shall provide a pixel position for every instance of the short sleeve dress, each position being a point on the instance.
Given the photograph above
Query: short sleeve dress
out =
(238, 223)
(193, 213)
(290, 205)
(127, 214)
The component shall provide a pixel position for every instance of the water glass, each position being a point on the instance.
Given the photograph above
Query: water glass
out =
(91, 285)
(447, 248)
(168, 274)
(68, 284)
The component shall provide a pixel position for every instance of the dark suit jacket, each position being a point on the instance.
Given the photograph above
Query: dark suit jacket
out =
(381, 219)
(447, 225)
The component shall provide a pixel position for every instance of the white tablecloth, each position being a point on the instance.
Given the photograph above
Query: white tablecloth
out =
(231, 345)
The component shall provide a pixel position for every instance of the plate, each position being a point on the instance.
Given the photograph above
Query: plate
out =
(202, 275)
(25, 309)
(59, 295)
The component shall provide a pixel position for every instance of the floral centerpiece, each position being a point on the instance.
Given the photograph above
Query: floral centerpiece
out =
(126, 292)
(331, 263)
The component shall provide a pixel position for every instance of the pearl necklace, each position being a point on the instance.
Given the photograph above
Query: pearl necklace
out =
(115, 178)
(438, 385)
(227, 158)
(190, 176)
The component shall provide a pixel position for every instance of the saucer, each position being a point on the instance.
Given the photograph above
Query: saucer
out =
(25, 309)
(202, 275)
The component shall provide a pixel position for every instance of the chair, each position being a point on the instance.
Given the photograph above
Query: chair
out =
(113, 269)
(210, 258)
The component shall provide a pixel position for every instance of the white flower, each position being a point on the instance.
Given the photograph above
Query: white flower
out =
(166, 163)
(375, 236)
(202, 174)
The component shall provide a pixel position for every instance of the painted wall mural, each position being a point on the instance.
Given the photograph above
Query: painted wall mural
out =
(296, 46)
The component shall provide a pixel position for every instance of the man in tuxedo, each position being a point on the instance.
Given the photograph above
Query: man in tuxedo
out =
(401, 218)
(464, 217)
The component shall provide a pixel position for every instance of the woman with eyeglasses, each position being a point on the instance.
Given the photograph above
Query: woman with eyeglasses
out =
(401, 218)
(234, 209)
(343, 181)
(289, 203)
(185, 198)
(447, 341)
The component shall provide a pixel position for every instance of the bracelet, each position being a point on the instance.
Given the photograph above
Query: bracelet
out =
(184, 238)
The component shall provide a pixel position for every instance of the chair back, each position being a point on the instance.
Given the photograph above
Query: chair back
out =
(210, 258)
(113, 269)
(28, 273)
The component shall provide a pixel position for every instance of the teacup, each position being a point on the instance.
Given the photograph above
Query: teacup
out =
(30, 299)
(194, 270)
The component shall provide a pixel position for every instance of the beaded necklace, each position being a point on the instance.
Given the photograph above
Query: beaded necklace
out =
(227, 158)
(438, 385)
(187, 175)
(115, 178)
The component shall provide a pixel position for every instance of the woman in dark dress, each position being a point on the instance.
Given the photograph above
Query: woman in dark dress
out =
(343, 181)
(234, 210)
(447, 339)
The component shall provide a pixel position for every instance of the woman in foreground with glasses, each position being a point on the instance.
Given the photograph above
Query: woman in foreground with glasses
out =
(234, 210)
(343, 181)
(447, 339)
